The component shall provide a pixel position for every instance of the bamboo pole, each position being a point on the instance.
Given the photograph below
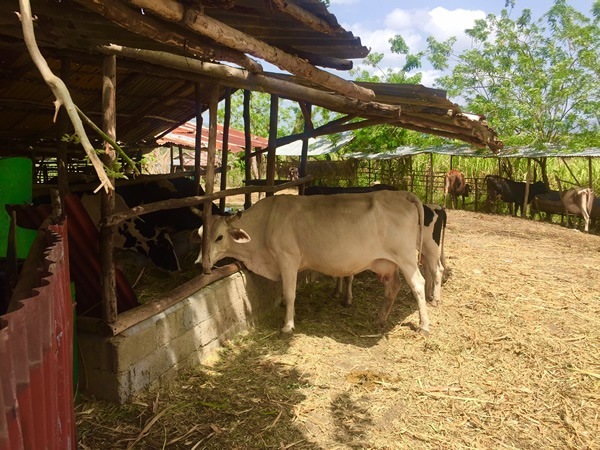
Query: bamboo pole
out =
(107, 204)
(247, 145)
(198, 137)
(527, 184)
(210, 173)
(225, 149)
(271, 155)
(306, 109)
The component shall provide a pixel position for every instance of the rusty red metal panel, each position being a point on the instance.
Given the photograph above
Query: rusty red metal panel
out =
(36, 350)
(84, 255)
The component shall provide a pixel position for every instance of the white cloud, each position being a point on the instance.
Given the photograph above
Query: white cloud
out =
(415, 25)
(444, 24)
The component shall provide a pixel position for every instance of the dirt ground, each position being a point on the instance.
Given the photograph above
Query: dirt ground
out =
(513, 361)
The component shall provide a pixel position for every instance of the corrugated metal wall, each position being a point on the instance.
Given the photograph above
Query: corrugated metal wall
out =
(36, 359)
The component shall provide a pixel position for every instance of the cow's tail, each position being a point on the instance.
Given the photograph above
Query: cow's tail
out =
(444, 218)
(419, 205)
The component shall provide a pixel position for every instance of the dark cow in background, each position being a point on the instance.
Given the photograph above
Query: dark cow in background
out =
(579, 201)
(177, 219)
(511, 192)
(181, 223)
(454, 184)
(337, 235)
(152, 243)
(328, 190)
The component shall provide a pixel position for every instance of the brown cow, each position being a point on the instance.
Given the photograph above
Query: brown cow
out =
(454, 184)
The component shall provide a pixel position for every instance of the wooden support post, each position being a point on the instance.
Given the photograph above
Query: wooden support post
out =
(306, 109)
(430, 178)
(590, 180)
(107, 232)
(225, 150)
(63, 124)
(171, 155)
(181, 161)
(451, 162)
(210, 172)
(247, 146)
(527, 184)
(271, 155)
(198, 141)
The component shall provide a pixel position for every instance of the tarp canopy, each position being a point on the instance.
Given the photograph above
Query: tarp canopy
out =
(508, 152)
(316, 146)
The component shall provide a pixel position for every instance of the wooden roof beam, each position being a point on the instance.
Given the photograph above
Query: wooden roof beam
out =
(199, 22)
(238, 78)
(149, 27)
(308, 19)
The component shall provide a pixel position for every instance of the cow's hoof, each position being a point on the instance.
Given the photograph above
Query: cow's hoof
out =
(346, 304)
(424, 332)
(433, 302)
(287, 329)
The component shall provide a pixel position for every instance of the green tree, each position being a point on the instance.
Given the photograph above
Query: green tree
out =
(538, 82)
(381, 138)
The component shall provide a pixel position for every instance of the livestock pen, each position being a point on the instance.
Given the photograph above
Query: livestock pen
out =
(512, 361)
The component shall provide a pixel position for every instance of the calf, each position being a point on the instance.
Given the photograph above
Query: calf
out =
(337, 235)
(136, 235)
(511, 192)
(579, 201)
(454, 184)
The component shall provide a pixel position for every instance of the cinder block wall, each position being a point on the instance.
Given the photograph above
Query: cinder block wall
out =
(152, 351)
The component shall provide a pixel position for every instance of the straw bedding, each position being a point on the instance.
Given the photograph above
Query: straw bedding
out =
(513, 361)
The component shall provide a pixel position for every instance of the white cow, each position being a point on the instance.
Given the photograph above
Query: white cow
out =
(337, 235)
(579, 201)
(432, 258)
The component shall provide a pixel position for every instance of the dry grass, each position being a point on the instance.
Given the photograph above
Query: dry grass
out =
(513, 361)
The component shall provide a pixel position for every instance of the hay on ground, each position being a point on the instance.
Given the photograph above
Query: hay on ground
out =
(513, 361)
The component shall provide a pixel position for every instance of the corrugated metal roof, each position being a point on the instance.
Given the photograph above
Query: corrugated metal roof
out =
(185, 136)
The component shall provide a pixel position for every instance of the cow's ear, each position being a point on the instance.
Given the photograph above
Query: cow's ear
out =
(239, 236)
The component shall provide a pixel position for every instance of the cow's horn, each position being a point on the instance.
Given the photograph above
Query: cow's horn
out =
(235, 217)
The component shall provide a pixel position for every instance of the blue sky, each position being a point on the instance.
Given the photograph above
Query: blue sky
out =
(376, 21)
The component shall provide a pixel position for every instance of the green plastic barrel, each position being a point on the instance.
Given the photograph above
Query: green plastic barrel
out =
(16, 175)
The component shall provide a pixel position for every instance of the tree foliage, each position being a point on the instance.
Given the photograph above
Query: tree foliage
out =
(538, 82)
(380, 138)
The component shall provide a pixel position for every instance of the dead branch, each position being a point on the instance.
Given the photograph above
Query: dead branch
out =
(60, 91)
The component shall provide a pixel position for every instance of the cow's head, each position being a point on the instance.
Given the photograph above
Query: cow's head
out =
(294, 173)
(155, 244)
(223, 236)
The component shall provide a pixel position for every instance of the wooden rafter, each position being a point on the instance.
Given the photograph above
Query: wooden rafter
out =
(149, 27)
(235, 39)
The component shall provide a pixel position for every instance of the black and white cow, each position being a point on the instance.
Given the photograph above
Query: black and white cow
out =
(153, 243)
(337, 235)
(432, 251)
(432, 258)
